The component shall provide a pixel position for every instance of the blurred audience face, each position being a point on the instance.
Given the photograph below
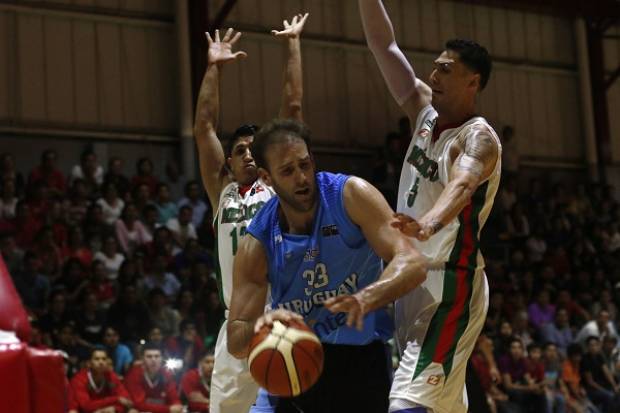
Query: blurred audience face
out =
(206, 366)
(535, 354)
(155, 335)
(602, 319)
(116, 166)
(110, 246)
(609, 344)
(59, 304)
(110, 337)
(90, 302)
(152, 361)
(145, 167)
(561, 318)
(505, 329)
(189, 332)
(551, 353)
(193, 191)
(98, 361)
(594, 346)
(516, 350)
(89, 164)
(163, 194)
(185, 216)
(48, 161)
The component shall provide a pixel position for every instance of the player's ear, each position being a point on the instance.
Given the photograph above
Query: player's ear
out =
(229, 163)
(475, 82)
(264, 176)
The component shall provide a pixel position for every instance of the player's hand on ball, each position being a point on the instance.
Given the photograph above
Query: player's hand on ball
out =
(350, 304)
(280, 314)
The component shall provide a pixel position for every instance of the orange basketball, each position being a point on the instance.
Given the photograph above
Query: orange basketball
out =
(286, 359)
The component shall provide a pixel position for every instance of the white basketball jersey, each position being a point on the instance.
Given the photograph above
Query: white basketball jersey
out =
(426, 172)
(234, 214)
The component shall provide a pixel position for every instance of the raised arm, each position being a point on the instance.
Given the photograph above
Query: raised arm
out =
(406, 269)
(410, 93)
(249, 294)
(474, 163)
(210, 152)
(293, 90)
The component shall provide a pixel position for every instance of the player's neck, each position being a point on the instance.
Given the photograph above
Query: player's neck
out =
(456, 115)
(296, 222)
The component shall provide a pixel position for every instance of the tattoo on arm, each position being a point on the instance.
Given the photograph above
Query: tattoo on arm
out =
(435, 227)
(480, 151)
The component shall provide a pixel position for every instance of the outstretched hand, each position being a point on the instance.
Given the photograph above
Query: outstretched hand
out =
(293, 29)
(220, 51)
(350, 304)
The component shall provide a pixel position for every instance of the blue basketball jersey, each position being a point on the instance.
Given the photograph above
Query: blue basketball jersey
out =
(306, 270)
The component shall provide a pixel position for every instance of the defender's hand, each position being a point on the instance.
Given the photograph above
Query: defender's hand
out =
(294, 29)
(220, 51)
(350, 304)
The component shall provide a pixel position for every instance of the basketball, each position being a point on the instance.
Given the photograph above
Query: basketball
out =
(286, 359)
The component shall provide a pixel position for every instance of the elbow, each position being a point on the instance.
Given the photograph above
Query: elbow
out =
(233, 346)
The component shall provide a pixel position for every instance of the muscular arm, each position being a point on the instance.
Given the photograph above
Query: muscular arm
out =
(210, 153)
(474, 163)
(292, 92)
(409, 92)
(249, 294)
(406, 269)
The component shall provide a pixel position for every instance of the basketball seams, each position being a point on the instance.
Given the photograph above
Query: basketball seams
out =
(318, 365)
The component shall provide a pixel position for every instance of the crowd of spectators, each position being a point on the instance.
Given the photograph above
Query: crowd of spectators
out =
(105, 261)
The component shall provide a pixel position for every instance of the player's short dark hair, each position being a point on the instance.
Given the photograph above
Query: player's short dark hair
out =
(241, 132)
(474, 56)
(277, 131)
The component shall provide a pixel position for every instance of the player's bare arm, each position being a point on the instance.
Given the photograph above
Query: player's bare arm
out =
(410, 93)
(406, 269)
(475, 158)
(210, 152)
(249, 295)
(292, 92)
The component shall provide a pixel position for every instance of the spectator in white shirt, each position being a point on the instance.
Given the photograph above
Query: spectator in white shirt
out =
(111, 205)
(88, 170)
(181, 227)
(8, 200)
(600, 328)
(110, 257)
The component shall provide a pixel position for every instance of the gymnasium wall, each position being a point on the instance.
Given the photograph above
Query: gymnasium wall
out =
(612, 62)
(110, 67)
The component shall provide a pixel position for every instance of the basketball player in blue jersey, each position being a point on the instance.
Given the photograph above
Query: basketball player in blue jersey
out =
(323, 235)
(236, 193)
(447, 186)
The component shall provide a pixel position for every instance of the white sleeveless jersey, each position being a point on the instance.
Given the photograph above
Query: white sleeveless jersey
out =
(424, 175)
(234, 214)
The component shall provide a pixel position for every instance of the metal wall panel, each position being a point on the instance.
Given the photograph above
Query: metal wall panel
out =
(76, 68)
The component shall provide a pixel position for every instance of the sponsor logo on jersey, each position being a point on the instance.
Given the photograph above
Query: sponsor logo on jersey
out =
(427, 167)
(329, 230)
(233, 215)
(307, 305)
(256, 190)
(430, 122)
(434, 379)
(311, 254)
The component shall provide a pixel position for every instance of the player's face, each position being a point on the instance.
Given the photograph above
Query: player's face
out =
(98, 361)
(206, 365)
(451, 81)
(292, 174)
(152, 361)
(241, 162)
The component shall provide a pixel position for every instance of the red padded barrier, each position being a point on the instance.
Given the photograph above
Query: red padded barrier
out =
(14, 388)
(47, 382)
(13, 316)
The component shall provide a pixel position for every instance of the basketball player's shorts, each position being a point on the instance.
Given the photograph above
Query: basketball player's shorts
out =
(233, 390)
(437, 325)
(354, 379)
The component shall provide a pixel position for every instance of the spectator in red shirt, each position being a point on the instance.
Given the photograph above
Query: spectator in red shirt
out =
(196, 384)
(145, 176)
(24, 226)
(187, 345)
(76, 248)
(153, 388)
(98, 390)
(48, 174)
